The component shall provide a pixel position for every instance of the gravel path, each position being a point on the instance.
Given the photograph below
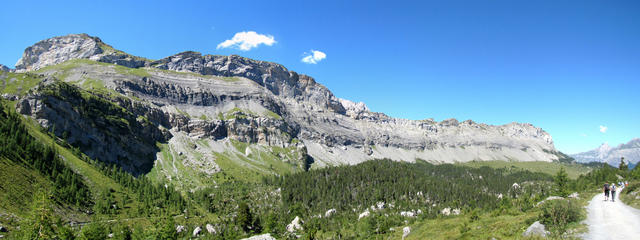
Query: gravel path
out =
(612, 220)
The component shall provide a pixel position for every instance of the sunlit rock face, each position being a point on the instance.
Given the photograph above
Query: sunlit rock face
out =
(256, 102)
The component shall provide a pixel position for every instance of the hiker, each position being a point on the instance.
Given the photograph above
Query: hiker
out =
(613, 192)
(606, 191)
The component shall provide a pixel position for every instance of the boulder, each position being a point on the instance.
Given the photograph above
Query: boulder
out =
(446, 211)
(536, 229)
(330, 212)
(197, 231)
(266, 236)
(295, 225)
(456, 211)
(405, 232)
(210, 229)
(180, 228)
(574, 195)
(364, 214)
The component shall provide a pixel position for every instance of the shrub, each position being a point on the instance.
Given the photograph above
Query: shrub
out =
(556, 214)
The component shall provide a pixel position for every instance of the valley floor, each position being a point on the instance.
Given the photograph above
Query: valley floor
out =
(612, 220)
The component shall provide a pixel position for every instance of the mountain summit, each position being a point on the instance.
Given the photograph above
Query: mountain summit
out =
(611, 155)
(213, 112)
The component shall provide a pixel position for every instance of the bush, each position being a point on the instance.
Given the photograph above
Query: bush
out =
(556, 214)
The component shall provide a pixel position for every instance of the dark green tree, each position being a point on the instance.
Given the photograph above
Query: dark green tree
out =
(623, 166)
(244, 219)
(40, 224)
(561, 180)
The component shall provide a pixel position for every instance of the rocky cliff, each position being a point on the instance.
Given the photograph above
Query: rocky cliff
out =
(197, 97)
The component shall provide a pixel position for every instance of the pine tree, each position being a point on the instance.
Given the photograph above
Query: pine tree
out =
(40, 224)
(623, 166)
(561, 180)
(244, 219)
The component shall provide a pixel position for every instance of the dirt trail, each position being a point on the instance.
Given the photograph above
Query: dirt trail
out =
(612, 220)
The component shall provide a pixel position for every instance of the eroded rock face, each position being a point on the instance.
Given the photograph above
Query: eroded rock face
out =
(98, 128)
(196, 94)
(57, 50)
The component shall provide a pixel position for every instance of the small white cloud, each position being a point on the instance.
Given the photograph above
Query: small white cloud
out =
(314, 57)
(603, 129)
(583, 134)
(245, 41)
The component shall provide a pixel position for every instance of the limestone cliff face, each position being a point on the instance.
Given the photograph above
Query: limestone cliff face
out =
(257, 102)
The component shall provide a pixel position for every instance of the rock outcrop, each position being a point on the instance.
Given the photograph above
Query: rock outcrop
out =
(295, 225)
(536, 229)
(258, 102)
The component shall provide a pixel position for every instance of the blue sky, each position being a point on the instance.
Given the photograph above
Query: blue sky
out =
(568, 67)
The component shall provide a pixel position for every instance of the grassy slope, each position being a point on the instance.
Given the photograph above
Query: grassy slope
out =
(551, 168)
(19, 185)
(17, 83)
(631, 195)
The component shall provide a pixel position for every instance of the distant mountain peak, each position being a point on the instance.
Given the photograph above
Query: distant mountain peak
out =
(605, 153)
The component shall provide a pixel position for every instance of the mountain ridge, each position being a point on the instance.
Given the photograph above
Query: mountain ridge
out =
(263, 104)
(611, 155)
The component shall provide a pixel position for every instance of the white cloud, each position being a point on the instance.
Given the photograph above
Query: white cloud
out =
(583, 134)
(603, 129)
(245, 41)
(313, 57)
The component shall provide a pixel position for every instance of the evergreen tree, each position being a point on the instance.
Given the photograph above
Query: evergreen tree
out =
(561, 180)
(623, 166)
(244, 219)
(40, 224)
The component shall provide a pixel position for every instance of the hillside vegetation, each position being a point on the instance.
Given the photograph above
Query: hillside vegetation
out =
(573, 170)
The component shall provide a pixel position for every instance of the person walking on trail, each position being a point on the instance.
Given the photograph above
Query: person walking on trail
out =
(613, 192)
(606, 191)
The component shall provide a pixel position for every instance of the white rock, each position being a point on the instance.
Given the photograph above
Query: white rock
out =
(330, 212)
(197, 231)
(456, 211)
(515, 186)
(405, 232)
(295, 225)
(364, 214)
(574, 195)
(549, 199)
(266, 236)
(407, 214)
(536, 229)
(446, 211)
(180, 228)
(210, 229)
